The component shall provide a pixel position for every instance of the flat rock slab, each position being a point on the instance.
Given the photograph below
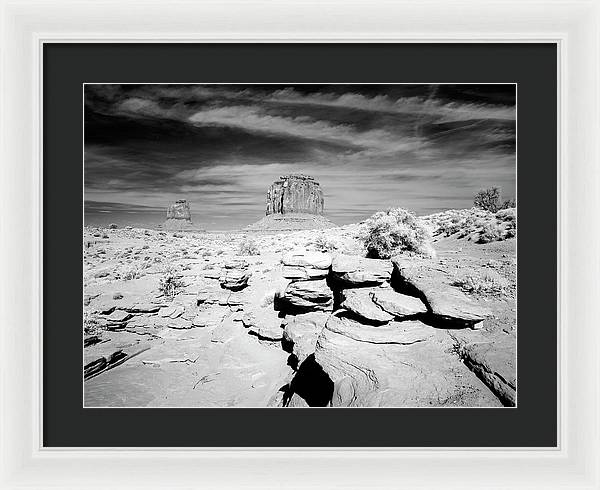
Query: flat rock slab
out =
(303, 273)
(172, 311)
(396, 304)
(210, 317)
(302, 332)
(118, 316)
(308, 295)
(423, 374)
(400, 333)
(235, 279)
(305, 258)
(239, 372)
(264, 322)
(359, 302)
(446, 303)
(353, 270)
(144, 308)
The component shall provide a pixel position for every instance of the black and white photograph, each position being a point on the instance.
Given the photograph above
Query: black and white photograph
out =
(299, 245)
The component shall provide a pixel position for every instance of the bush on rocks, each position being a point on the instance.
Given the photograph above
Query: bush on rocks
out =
(394, 231)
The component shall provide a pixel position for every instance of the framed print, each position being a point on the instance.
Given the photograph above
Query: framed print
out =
(356, 256)
(241, 244)
(309, 305)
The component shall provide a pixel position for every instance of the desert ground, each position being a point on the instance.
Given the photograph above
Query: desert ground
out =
(301, 318)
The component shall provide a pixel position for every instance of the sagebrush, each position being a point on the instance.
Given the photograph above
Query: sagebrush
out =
(394, 231)
(324, 244)
(248, 247)
(170, 282)
(482, 285)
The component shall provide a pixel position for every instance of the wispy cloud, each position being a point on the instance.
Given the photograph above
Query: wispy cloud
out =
(253, 119)
(445, 112)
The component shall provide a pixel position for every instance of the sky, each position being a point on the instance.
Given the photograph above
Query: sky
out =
(426, 148)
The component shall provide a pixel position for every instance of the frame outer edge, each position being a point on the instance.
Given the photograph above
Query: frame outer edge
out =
(23, 462)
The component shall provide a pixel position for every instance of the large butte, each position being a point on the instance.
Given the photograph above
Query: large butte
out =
(294, 202)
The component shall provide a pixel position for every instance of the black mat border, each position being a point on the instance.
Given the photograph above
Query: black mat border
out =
(533, 66)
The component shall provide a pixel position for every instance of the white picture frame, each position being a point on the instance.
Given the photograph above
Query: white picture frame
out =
(574, 25)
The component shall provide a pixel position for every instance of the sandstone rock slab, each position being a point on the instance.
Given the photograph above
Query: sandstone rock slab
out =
(172, 311)
(400, 333)
(308, 295)
(356, 271)
(118, 316)
(369, 374)
(235, 279)
(396, 304)
(446, 303)
(494, 363)
(210, 317)
(306, 258)
(301, 331)
(264, 322)
(360, 302)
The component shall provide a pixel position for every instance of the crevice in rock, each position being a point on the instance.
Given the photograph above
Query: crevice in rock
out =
(287, 345)
(400, 285)
(336, 289)
(479, 370)
(446, 323)
(343, 313)
(262, 337)
(310, 383)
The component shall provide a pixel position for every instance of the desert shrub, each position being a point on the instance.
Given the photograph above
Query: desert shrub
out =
(248, 247)
(91, 325)
(484, 285)
(113, 226)
(170, 282)
(324, 244)
(488, 199)
(396, 230)
(450, 227)
(509, 214)
(132, 272)
(490, 232)
(509, 203)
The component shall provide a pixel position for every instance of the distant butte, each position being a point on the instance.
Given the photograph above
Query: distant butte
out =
(179, 216)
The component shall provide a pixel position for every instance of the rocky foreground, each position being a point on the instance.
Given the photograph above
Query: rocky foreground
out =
(300, 318)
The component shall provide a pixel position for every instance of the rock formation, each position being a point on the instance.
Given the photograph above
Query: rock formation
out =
(295, 193)
(294, 202)
(178, 216)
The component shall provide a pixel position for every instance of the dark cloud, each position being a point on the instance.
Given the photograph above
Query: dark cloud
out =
(370, 146)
